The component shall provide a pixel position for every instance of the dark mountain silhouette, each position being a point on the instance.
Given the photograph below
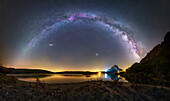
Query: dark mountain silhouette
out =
(21, 71)
(154, 67)
(5, 70)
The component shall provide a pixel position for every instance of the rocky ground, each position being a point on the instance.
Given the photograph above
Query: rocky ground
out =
(86, 91)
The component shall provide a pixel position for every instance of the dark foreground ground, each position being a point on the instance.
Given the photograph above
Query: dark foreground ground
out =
(86, 91)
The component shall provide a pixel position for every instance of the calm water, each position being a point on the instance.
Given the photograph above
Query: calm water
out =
(67, 78)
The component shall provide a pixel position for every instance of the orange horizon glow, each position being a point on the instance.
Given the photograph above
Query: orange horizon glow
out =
(53, 70)
(59, 70)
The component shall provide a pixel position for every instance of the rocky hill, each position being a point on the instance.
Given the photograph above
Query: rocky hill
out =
(154, 67)
(113, 70)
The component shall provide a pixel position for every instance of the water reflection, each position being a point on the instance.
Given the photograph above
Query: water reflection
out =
(69, 78)
(105, 75)
(114, 77)
(99, 73)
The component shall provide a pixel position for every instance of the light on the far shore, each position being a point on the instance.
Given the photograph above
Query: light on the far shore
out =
(124, 70)
(105, 70)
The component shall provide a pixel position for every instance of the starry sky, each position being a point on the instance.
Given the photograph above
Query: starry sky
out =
(74, 35)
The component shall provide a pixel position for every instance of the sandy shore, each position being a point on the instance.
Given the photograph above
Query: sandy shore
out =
(86, 91)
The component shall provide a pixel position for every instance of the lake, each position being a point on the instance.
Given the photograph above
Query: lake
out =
(68, 78)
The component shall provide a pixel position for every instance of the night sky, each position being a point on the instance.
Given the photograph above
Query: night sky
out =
(65, 35)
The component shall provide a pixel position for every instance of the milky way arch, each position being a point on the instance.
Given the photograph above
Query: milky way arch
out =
(113, 25)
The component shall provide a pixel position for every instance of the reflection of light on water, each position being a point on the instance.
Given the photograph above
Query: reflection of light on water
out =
(121, 77)
(105, 75)
(99, 73)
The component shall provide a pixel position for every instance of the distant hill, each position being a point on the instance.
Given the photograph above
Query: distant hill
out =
(21, 71)
(154, 67)
(5, 70)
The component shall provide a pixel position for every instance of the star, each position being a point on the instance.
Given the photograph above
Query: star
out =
(97, 54)
(50, 45)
